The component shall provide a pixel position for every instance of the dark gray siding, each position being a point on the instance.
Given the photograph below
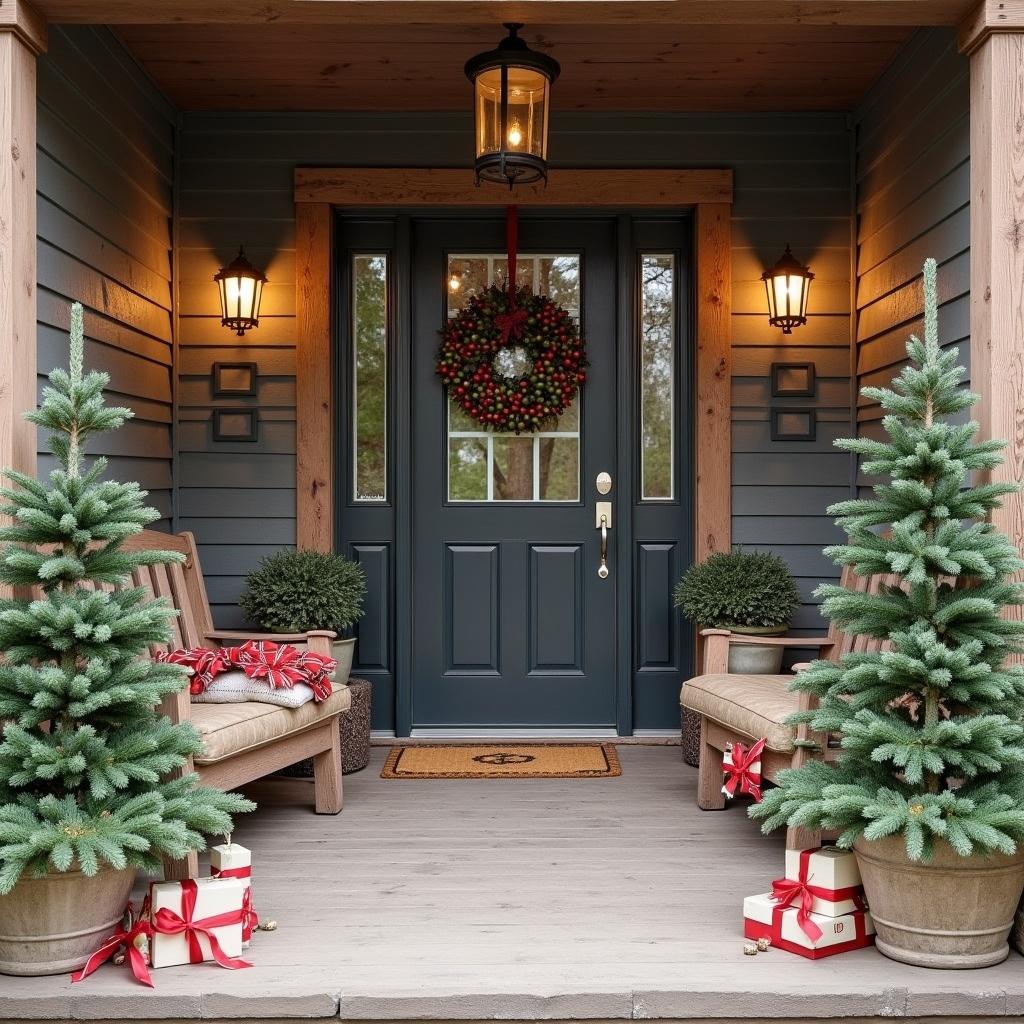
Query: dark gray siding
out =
(106, 164)
(792, 184)
(913, 201)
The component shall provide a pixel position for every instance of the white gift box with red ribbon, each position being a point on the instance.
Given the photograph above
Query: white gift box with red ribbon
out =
(742, 767)
(825, 881)
(197, 920)
(232, 860)
(811, 935)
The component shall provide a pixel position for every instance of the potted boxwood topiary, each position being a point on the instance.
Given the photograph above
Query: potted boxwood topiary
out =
(87, 763)
(294, 591)
(749, 592)
(929, 786)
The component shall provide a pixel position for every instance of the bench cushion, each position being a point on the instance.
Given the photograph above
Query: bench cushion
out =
(752, 705)
(229, 729)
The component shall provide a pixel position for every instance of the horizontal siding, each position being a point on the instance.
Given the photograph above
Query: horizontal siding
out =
(792, 184)
(913, 201)
(105, 179)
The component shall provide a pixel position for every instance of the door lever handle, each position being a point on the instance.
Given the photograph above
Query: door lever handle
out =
(603, 514)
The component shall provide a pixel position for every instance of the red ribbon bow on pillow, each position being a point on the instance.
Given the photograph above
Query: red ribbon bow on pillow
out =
(264, 659)
(168, 922)
(110, 945)
(204, 664)
(742, 769)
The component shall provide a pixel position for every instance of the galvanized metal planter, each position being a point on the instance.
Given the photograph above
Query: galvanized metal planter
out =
(51, 925)
(954, 912)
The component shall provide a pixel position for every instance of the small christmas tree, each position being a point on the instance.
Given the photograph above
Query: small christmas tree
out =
(932, 742)
(84, 757)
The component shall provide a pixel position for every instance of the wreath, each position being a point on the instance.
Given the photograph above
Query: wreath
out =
(512, 361)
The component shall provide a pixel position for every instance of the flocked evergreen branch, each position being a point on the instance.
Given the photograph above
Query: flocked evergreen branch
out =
(90, 773)
(931, 734)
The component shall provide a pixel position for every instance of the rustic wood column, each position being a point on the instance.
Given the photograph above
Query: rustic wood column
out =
(22, 38)
(994, 38)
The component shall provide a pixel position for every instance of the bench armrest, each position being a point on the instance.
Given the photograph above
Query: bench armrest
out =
(317, 640)
(717, 641)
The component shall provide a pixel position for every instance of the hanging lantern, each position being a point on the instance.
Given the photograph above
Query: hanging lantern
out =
(787, 285)
(513, 92)
(241, 288)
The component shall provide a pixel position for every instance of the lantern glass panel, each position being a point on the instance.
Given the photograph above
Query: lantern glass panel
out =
(488, 112)
(527, 112)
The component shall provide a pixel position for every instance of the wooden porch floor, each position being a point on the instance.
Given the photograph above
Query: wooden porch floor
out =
(540, 899)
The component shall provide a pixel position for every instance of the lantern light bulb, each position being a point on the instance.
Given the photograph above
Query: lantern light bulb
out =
(515, 134)
(454, 283)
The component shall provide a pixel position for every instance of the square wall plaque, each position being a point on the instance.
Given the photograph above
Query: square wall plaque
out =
(792, 380)
(235, 424)
(794, 424)
(234, 380)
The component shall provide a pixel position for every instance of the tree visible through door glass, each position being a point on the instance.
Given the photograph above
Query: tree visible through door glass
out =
(369, 376)
(657, 375)
(484, 465)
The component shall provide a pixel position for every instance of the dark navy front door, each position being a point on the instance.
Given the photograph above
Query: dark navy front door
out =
(513, 625)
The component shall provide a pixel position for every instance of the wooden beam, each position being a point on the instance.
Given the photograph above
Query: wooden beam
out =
(432, 12)
(18, 51)
(362, 186)
(713, 427)
(997, 258)
(25, 22)
(314, 495)
(988, 17)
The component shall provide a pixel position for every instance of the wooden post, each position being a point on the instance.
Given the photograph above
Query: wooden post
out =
(994, 38)
(22, 37)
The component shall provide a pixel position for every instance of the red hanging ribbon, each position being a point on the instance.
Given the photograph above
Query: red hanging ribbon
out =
(168, 922)
(110, 945)
(512, 322)
(741, 775)
(787, 891)
(512, 244)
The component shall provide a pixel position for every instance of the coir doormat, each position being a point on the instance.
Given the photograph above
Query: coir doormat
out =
(502, 761)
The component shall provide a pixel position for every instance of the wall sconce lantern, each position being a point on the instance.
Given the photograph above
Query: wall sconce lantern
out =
(513, 91)
(787, 285)
(241, 288)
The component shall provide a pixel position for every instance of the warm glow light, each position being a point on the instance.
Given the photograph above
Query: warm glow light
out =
(454, 283)
(787, 285)
(512, 86)
(241, 289)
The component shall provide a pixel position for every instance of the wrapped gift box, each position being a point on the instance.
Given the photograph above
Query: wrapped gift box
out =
(764, 917)
(232, 860)
(831, 877)
(182, 935)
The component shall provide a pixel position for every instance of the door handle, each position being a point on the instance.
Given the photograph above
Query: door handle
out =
(603, 522)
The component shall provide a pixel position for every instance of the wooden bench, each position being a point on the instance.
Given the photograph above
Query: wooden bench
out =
(246, 741)
(743, 708)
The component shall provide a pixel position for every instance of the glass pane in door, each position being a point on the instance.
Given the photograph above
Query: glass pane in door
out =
(485, 465)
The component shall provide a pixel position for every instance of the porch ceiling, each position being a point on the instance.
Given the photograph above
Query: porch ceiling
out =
(394, 67)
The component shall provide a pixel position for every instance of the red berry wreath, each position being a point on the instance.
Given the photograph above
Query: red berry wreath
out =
(512, 367)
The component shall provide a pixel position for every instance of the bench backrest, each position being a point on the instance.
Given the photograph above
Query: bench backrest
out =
(845, 643)
(182, 585)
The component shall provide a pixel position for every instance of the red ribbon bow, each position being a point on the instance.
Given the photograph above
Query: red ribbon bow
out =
(741, 774)
(787, 891)
(110, 945)
(511, 324)
(250, 919)
(168, 922)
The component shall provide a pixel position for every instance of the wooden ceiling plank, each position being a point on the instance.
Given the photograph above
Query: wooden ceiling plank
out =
(493, 12)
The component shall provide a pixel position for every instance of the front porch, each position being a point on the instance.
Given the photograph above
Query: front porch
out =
(537, 899)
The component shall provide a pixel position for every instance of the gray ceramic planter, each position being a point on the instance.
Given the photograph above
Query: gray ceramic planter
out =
(756, 659)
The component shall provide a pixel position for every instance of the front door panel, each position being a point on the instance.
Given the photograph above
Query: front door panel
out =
(512, 625)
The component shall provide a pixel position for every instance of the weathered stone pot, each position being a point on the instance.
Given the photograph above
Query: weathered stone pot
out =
(756, 659)
(51, 925)
(954, 912)
(343, 651)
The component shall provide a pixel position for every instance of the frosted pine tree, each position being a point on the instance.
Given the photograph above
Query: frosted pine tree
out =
(84, 756)
(932, 742)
